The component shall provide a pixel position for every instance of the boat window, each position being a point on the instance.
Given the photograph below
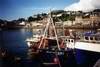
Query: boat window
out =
(86, 38)
(91, 38)
(68, 40)
(96, 38)
(72, 41)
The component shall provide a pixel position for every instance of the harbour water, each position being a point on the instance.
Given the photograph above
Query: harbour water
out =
(14, 44)
(14, 41)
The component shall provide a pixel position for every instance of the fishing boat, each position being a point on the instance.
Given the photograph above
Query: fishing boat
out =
(50, 47)
(87, 48)
(71, 50)
(89, 42)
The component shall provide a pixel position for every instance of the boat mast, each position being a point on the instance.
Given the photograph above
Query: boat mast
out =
(54, 31)
(47, 26)
(50, 21)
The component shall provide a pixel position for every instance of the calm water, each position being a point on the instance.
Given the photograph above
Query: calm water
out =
(14, 41)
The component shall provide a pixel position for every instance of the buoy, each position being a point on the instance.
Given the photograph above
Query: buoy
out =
(56, 60)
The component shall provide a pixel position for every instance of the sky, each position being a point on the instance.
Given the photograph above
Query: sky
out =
(84, 5)
(14, 9)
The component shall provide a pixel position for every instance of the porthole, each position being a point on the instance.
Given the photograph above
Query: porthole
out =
(91, 38)
(96, 38)
(86, 38)
(68, 40)
(72, 41)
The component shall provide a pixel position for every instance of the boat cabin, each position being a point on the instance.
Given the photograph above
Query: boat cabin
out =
(92, 37)
(69, 42)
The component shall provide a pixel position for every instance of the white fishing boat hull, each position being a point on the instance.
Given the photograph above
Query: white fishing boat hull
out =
(95, 47)
(86, 53)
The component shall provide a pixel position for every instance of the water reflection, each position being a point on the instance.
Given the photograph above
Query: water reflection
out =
(14, 41)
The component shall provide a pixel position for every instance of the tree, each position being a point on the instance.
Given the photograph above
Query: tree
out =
(71, 18)
(1, 21)
(21, 19)
(30, 19)
(64, 17)
(44, 14)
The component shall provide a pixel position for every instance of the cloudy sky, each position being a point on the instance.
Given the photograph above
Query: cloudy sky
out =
(84, 5)
(13, 9)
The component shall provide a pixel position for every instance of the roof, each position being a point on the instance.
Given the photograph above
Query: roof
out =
(88, 33)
